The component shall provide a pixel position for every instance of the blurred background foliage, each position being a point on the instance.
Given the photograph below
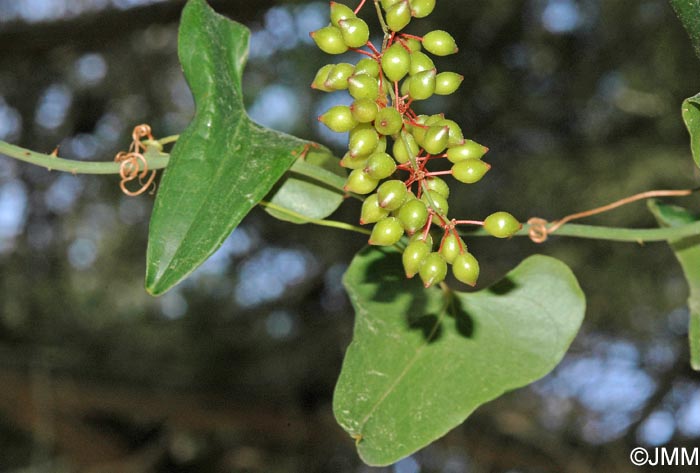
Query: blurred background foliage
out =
(233, 371)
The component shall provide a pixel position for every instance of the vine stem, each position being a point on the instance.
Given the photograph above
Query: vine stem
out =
(54, 163)
(315, 221)
(594, 232)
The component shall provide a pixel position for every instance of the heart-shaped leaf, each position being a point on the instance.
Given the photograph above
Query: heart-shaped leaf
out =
(422, 360)
(687, 251)
(223, 164)
(313, 187)
(689, 13)
(691, 116)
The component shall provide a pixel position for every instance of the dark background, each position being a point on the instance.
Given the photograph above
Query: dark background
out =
(233, 371)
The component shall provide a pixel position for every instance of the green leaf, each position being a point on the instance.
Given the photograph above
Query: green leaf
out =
(687, 251)
(223, 164)
(422, 360)
(691, 116)
(313, 187)
(689, 13)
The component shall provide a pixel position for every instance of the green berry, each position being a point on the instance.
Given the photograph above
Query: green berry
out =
(466, 268)
(363, 86)
(452, 246)
(447, 83)
(502, 225)
(396, 62)
(381, 147)
(435, 184)
(338, 76)
(422, 8)
(359, 182)
(367, 66)
(435, 200)
(329, 39)
(401, 154)
(392, 194)
(340, 12)
(436, 138)
(413, 257)
(355, 32)
(363, 140)
(319, 82)
(422, 85)
(371, 211)
(398, 16)
(386, 4)
(455, 137)
(413, 214)
(433, 269)
(470, 171)
(420, 62)
(364, 110)
(353, 162)
(440, 43)
(413, 45)
(386, 232)
(469, 150)
(339, 119)
(380, 166)
(418, 236)
(434, 119)
(388, 121)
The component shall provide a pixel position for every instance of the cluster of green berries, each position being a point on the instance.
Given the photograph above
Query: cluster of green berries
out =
(390, 146)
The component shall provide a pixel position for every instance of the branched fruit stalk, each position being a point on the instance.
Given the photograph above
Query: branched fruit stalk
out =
(391, 147)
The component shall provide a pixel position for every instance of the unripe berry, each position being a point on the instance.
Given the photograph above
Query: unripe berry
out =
(469, 150)
(470, 171)
(436, 138)
(502, 225)
(381, 147)
(319, 82)
(413, 257)
(396, 62)
(435, 200)
(452, 246)
(367, 66)
(363, 86)
(329, 39)
(392, 194)
(364, 110)
(386, 232)
(422, 85)
(380, 166)
(420, 62)
(386, 4)
(340, 12)
(466, 269)
(363, 140)
(455, 137)
(353, 162)
(422, 8)
(413, 45)
(434, 119)
(359, 182)
(398, 16)
(371, 211)
(418, 236)
(338, 76)
(388, 121)
(339, 119)
(435, 184)
(433, 270)
(401, 154)
(413, 214)
(355, 32)
(440, 43)
(447, 83)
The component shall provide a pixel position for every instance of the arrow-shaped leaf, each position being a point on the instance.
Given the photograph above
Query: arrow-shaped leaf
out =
(223, 164)
(687, 251)
(420, 362)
